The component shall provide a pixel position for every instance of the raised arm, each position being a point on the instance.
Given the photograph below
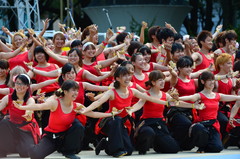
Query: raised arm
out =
(229, 98)
(45, 25)
(37, 86)
(192, 98)
(60, 59)
(142, 33)
(92, 77)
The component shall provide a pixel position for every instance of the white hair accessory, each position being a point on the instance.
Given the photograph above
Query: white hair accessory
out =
(86, 44)
(29, 80)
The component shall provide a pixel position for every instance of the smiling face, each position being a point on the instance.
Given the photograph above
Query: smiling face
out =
(40, 57)
(139, 62)
(18, 41)
(20, 87)
(71, 94)
(124, 80)
(3, 72)
(73, 58)
(227, 66)
(207, 43)
(69, 75)
(185, 71)
(159, 84)
(58, 41)
(90, 51)
(209, 84)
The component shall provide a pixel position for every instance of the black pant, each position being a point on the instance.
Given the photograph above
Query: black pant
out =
(14, 140)
(207, 138)
(118, 138)
(68, 142)
(223, 120)
(156, 134)
(179, 127)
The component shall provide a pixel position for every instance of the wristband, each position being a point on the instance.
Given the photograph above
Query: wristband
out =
(104, 43)
(192, 106)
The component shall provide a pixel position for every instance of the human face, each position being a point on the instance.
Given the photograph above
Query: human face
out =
(207, 43)
(70, 75)
(49, 44)
(73, 58)
(20, 86)
(170, 40)
(177, 55)
(18, 40)
(159, 83)
(71, 94)
(90, 52)
(209, 84)
(194, 45)
(139, 62)
(40, 57)
(227, 67)
(58, 42)
(147, 57)
(124, 80)
(3, 72)
(185, 71)
(95, 39)
(130, 68)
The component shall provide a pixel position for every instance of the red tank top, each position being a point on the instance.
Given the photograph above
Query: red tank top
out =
(140, 83)
(154, 55)
(19, 60)
(52, 60)
(15, 113)
(92, 70)
(211, 109)
(150, 69)
(153, 110)
(185, 88)
(225, 88)
(79, 77)
(120, 103)
(205, 62)
(59, 121)
(80, 98)
(40, 78)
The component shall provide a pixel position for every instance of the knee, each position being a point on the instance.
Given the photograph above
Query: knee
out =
(146, 132)
(215, 148)
(34, 154)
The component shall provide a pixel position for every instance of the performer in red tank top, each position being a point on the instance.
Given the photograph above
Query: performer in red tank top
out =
(19, 133)
(206, 130)
(65, 127)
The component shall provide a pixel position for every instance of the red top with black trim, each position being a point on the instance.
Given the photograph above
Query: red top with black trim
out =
(154, 110)
(60, 121)
(211, 109)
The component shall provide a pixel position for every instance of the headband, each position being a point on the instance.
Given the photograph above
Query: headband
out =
(86, 44)
(27, 77)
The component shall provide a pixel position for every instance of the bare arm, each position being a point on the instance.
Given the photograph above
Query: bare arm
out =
(37, 86)
(92, 87)
(50, 104)
(228, 98)
(45, 25)
(192, 98)
(8, 55)
(92, 77)
(4, 102)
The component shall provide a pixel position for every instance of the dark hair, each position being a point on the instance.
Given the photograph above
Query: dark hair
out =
(145, 50)
(67, 85)
(176, 47)
(76, 43)
(206, 75)
(39, 49)
(65, 69)
(121, 37)
(154, 76)
(230, 35)
(153, 31)
(26, 81)
(133, 46)
(79, 53)
(121, 71)
(177, 36)
(5, 65)
(134, 56)
(219, 39)
(202, 36)
(185, 61)
(3, 39)
(124, 63)
(164, 34)
(236, 66)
